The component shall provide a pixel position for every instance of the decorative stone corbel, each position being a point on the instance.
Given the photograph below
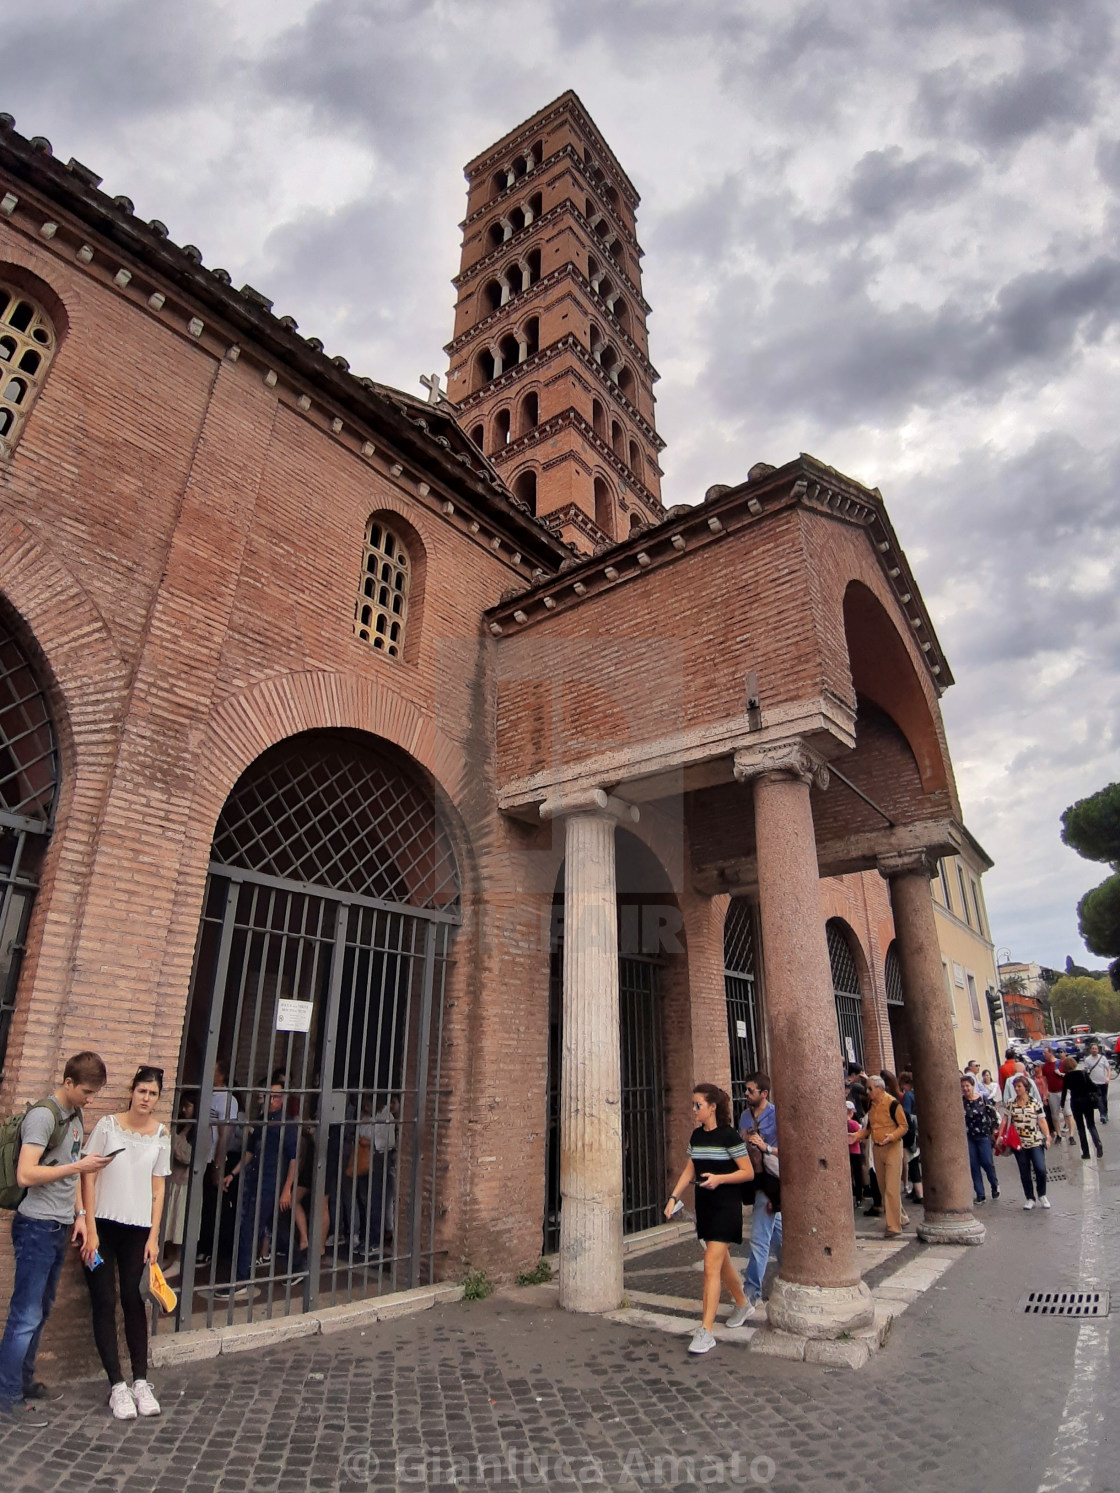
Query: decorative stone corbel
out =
(791, 757)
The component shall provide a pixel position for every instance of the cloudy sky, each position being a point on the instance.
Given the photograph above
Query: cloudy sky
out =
(883, 233)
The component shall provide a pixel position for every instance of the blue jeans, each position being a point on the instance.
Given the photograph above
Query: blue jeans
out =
(980, 1163)
(766, 1232)
(40, 1248)
(1032, 1158)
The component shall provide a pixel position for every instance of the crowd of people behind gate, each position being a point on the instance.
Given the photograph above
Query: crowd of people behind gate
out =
(1004, 1114)
(120, 1193)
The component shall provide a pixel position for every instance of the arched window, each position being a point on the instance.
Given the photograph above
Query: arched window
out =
(532, 336)
(530, 412)
(501, 429)
(635, 459)
(846, 990)
(382, 606)
(604, 508)
(635, 523)
(625, 381)
(484, 367)
(478, 436)
(515, 275)
(497, 232)
(616, 438)
(598, 420)
(492, 296)
(510, 350)
(525, 488)
(533, 260)
(27, 344)
(594, 271)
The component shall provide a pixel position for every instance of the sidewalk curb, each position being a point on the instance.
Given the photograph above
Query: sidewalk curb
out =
(242, 1337)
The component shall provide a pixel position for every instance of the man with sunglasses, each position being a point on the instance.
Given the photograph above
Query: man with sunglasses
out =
(758, 1125)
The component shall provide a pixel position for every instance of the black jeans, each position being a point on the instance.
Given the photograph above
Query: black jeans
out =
(1032, 1158)
(121, 1246)
(1083, 1119)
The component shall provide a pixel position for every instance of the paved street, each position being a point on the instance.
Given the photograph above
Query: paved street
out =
(509, 1393)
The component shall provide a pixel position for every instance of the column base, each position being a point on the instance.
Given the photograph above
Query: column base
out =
(818, 1312)
(951, 1228)
(590, 1272)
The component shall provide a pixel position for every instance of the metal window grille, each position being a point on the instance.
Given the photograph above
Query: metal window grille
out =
(892, 971)
(27, 343)
(643, 1095)
(739, 988)
(316, 812)
(28, 790)
(336, 998)
(381, 609)
(845, 984)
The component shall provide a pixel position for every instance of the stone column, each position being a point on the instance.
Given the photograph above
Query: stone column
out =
(946, 1182)
(590, 1074)
(818, 1293)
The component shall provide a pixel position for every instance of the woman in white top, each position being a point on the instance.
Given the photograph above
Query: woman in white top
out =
(123, 1206)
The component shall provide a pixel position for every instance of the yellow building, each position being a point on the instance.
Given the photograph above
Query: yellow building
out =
(967, 953)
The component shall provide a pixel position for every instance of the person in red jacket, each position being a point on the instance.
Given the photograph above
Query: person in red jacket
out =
(1009, 1066)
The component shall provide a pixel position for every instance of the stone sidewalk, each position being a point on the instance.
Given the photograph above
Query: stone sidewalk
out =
(511, 1393)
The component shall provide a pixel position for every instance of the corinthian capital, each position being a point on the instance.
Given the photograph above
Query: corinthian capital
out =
(791, 757)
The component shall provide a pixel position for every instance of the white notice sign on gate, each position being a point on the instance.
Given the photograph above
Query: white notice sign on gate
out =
(294, 1016)
(740, 1028)
(849, 1046)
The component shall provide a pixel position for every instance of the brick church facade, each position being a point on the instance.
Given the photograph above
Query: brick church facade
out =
(411, 756)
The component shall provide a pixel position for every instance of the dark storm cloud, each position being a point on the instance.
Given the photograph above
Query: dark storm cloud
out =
(954, 101)
(132, 57)
(828, 348)
(885, 184)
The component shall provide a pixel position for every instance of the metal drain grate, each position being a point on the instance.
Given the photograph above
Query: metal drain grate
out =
(1065, 1304)
(1056, 1174)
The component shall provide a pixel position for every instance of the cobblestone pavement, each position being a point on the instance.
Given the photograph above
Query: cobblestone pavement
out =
(510, 1393)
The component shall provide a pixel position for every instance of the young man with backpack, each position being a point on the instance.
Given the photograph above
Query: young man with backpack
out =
(40, 1163)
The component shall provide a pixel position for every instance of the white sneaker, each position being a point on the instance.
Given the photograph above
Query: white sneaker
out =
(146, 1402)
(741, 1314)
(1044, 1202)
(1028, 1205)
(702, 1341)
(121, 1402)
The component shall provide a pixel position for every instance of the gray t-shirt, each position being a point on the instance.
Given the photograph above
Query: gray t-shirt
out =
(53, 1201)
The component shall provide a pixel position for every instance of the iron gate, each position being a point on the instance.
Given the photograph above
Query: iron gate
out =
(643, 1095)
(845, 984)
(739, 991)
(310, 1106)
(28, 788)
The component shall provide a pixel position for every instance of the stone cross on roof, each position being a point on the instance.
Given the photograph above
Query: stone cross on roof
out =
(431, 383)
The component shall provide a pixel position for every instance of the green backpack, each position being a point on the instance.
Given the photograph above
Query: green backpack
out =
(11, 1193)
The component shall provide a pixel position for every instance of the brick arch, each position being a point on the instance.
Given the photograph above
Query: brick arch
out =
(244, 726)
(883, 672)
(32, 273)
(85, 677)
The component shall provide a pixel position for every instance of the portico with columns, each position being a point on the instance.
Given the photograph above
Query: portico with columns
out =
(790, 728)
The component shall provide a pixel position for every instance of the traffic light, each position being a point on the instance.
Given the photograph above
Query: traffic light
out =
(995, 1009)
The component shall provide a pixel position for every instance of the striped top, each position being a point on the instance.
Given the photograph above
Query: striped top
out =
(716, 1151)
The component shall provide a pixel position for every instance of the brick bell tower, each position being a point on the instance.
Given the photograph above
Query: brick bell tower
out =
(550, 361)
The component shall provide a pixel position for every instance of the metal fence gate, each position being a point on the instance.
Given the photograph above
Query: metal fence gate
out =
(309, 1108)
(643, 1095)
(845, 985)
(740, 993)
(28, 791)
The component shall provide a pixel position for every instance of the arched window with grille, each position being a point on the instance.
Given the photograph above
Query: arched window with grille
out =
(27, 344)
(846, 989)
(28, 791)
(381, 611)
(741, 995)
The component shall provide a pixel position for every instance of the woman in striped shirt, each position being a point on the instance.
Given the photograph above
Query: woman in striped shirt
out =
(719, 1165)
